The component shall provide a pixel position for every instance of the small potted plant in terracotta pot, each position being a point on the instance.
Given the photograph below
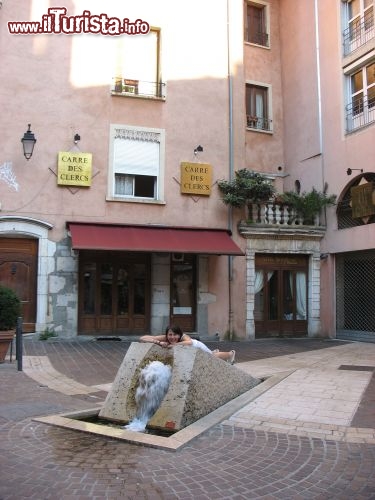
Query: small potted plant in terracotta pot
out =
(10, 310)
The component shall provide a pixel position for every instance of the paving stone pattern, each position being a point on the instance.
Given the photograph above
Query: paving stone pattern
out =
(227, 462)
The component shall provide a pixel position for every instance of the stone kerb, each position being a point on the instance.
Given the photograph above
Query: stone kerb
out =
(200, 383)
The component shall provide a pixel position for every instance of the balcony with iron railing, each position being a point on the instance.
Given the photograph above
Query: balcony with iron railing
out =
(138, 88)
(360, 112)
(359, 33)
(258, 123)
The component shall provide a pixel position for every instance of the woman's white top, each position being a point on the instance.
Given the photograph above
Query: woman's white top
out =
(200, 345)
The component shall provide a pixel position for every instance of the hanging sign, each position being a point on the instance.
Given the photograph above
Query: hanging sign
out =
(196, 178)
(362, 200)
(74, 169)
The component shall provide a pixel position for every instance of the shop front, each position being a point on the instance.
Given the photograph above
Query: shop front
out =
(134, 280)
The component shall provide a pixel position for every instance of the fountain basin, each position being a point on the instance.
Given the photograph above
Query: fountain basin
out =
(75, 421)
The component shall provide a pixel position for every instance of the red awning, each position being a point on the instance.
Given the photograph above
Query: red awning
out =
(87, 236)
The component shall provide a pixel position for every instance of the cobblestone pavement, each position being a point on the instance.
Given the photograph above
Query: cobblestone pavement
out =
(229, 461)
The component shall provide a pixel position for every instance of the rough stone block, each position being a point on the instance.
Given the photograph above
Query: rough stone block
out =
(200, 383)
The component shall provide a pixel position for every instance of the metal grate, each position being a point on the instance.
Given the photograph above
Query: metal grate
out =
(355, 292)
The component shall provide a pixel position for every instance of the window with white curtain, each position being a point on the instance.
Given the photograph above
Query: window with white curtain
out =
(136, 160)
(361, 89)
(258, 107)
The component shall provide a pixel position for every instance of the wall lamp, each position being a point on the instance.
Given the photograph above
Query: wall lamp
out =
(198, 149)
(324, 256)
(350, 170)
(77, 138)
(28, 142)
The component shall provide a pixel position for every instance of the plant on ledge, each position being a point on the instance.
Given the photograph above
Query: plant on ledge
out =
(246, 188)
(307, 205)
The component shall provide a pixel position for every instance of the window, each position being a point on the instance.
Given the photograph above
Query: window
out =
(361, 109)
(137, 67)
(257, 107)
(359, 16)
(136, 158)
(256, 24)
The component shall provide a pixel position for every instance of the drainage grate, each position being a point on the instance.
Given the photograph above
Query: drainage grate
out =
(357, 368)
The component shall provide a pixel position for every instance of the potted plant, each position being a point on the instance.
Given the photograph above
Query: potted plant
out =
(10, 310)
(307, 205)
(246, 188)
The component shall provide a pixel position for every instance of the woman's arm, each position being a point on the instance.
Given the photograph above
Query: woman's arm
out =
(153, 339)
(185, 340)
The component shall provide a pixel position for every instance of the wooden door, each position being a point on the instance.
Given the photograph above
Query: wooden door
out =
(18, 271)
(280, 296)
(114, 293)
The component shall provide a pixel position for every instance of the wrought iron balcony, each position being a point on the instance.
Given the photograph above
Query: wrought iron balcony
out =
(138, 88)
(360, 112)
(258, 122)
(358, 33)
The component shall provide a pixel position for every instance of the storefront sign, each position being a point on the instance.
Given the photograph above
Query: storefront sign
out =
(196, 178)
(362, 200)
(74, 169)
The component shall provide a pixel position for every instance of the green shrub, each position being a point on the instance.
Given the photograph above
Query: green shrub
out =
(10, 308)
(307, 205)
(247, 187)
(47, 334)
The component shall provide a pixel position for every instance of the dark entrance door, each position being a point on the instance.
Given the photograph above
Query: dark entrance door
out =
(280, 295)
(114, 293)
(18, 271)
(183, 297)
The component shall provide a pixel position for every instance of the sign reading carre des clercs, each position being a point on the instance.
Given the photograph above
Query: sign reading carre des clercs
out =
(196, 178)
(74, 169)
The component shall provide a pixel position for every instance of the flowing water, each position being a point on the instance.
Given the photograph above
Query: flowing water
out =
(153, 385)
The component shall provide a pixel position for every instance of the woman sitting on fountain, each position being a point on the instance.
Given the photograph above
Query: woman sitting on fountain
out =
(174, 335)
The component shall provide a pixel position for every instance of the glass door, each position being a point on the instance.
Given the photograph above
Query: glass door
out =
(183, 296)
(280, 307)
(114, 294)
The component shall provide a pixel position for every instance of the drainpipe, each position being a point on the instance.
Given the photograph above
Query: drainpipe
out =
(231, 172)
(320, 123)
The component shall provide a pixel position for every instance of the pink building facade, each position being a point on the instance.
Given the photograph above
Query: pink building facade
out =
(115, 226)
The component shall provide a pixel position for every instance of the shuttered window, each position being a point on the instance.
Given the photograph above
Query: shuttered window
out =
(136, 161)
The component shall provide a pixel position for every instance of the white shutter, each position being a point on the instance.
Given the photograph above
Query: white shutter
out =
(136, 157)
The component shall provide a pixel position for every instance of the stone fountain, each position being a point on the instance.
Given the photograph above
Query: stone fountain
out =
(202, 391)
(200, 383)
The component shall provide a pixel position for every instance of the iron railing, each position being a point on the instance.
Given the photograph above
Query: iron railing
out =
(258, 122)
(259, 38)
(359, 113)
(358, 33)
(138, 88)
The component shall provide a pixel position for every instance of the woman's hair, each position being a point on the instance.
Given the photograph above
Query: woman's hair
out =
(175, 329)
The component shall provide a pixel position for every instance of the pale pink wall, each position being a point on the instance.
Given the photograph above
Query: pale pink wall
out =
(340, 151)
(300, 94)
(265, 152)
(46, 83)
